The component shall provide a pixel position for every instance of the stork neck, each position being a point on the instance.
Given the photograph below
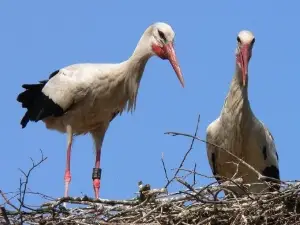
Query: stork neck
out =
(137, 62)
(238, 81)
(237, 101)
(134, 69)
(141, 54)
(142, 50)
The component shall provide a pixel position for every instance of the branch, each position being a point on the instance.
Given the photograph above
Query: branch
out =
(186, 154)
(4, 214)
(7, 200)
(260, 176)
(164, 167)
(23, 185)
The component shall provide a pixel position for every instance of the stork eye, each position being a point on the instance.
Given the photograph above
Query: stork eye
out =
(238, 39)
(253, 41)
(162, 35)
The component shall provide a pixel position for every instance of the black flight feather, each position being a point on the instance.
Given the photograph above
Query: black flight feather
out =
(38, 105)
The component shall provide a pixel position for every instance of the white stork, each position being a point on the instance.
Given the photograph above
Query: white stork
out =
(239, 131)
(84, 98)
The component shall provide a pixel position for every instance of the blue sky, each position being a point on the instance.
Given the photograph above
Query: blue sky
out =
(40, 37)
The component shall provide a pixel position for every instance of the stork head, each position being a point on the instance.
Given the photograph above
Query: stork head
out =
(245, 42)
(162, 45)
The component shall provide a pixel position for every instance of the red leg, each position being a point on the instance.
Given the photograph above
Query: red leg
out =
(67, 177)
(98, 136)
(97, 173)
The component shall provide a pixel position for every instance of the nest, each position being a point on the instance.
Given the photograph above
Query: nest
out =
(190, 205)
(156, 206)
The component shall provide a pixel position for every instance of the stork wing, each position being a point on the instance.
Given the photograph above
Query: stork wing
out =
(70, 85)
(271, 148)
(212, 136)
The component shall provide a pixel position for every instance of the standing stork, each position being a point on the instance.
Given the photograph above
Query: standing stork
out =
(84, 98)
(239, 131)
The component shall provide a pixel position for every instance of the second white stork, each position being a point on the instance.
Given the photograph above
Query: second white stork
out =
(84, 98)
(239, 131)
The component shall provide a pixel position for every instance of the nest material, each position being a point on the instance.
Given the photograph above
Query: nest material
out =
(201, 205)
(192, 206)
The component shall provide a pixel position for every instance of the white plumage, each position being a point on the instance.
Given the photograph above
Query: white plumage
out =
(90, 93)
(84, 98)
(239, 131)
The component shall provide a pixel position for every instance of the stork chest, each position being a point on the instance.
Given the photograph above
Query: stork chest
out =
(102, 106)
(236, 134)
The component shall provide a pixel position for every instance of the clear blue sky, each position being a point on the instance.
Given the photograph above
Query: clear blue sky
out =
(39, 37)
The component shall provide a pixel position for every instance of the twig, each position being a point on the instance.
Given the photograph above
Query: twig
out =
(186, 154)
(22, 192)
(149, 213)
(194, 175)
(3, 213)
(205, 221)
(27, 175)
(260, 176)
(7, 201)
(87, 200)
(164, 167)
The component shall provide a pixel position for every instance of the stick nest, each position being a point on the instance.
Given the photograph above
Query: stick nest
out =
(155, 206)
(190, 205)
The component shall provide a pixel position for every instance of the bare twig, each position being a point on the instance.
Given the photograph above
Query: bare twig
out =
(164, 167)
(27, 175)
(4, 214)
(24, 184)
(260, 176)
(186, 154)
(194, 175)
(7, 200)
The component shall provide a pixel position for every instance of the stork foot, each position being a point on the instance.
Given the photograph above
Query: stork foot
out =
(67, 182)
(96, 181)
(96, 185)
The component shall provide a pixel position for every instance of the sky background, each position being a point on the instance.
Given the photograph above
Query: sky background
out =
(39, 37)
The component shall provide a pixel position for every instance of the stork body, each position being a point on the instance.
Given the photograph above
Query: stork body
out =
(85, 98)
(240, 132)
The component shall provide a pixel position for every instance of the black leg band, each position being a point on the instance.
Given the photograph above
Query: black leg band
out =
(96, 173)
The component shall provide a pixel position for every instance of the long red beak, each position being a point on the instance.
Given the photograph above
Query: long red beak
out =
(171, 55)
(244, 59)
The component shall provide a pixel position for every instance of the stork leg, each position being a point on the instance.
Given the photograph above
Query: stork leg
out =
(98, 136)
(97, 173)
(67, 177)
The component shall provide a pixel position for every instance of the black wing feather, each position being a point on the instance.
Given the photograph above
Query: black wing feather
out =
(38, 105)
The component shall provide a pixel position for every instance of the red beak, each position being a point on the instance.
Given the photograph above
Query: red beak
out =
(171, 55)
(244, 60)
